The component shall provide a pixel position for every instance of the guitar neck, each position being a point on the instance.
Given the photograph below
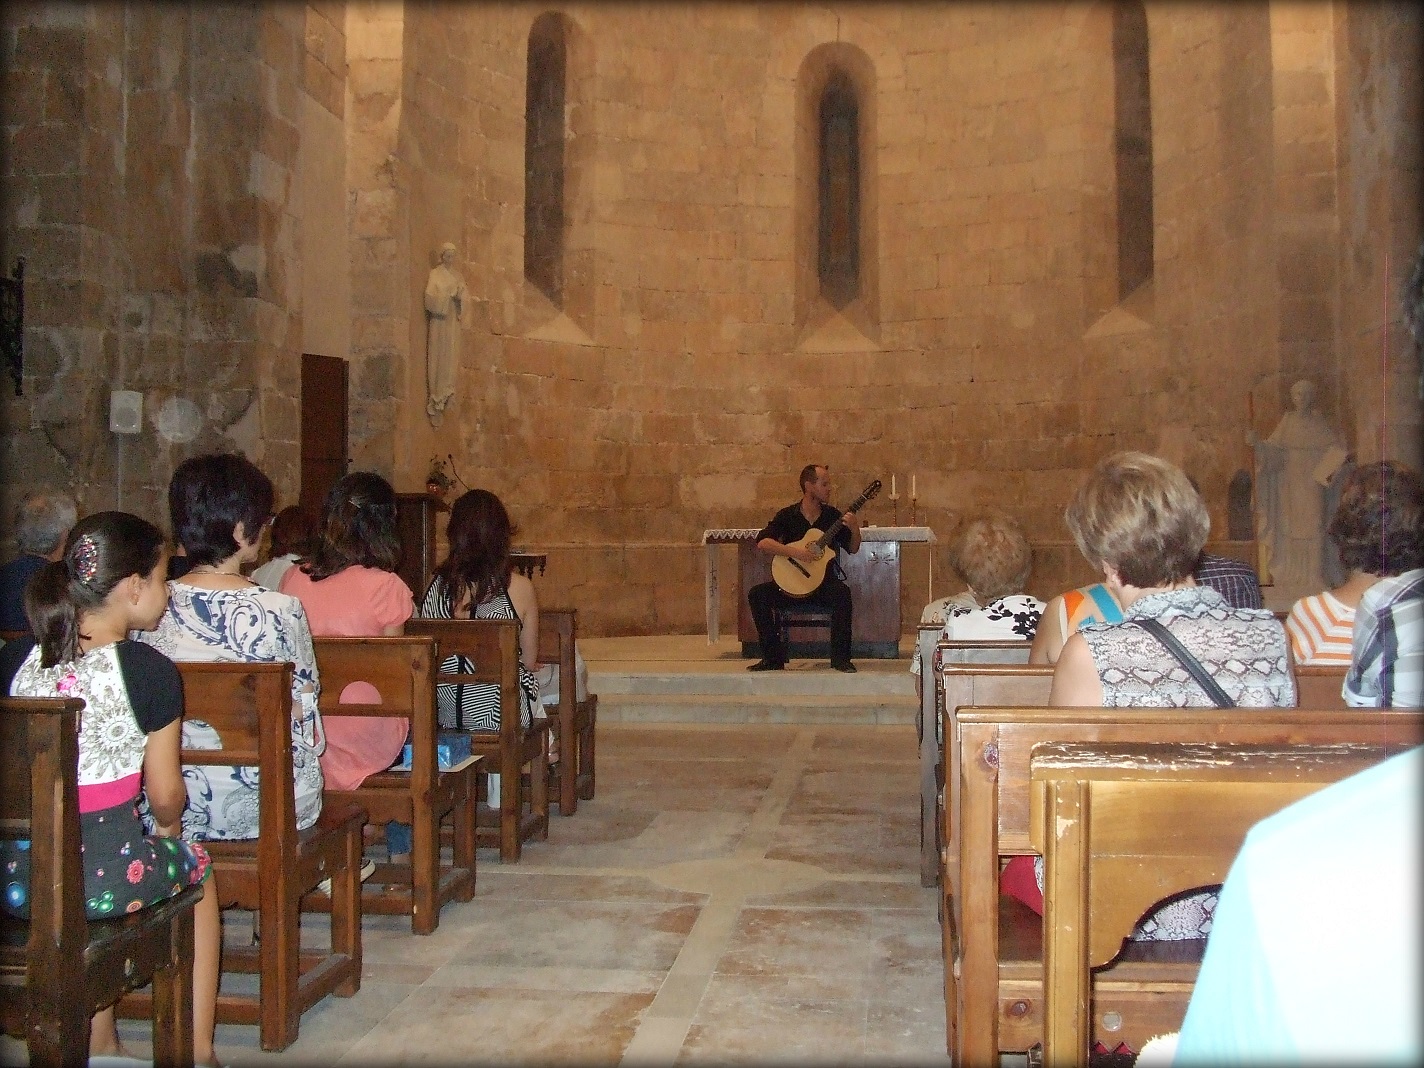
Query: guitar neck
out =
(835, 528)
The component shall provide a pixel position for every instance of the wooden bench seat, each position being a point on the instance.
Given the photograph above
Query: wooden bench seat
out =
(1320, 686)
(965, 674)
(964, 682)
(1121, 827)
(60, 968)
(250, 708)
(402, 670)
(492, 647)
(934, 653)
(987, 818)
(572, 777)
(1126, 995)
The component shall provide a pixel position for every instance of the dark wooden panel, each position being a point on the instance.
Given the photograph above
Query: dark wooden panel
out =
(324, 433)
(873, 575)
(415, 523)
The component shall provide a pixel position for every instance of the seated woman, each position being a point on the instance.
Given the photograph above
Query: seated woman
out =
(1068, 612)
(349, 589)
(108, 582)
(477, 581)
(219, 504)
(291, 539)
(1366, 533)
(992, 557)
(1139, 521)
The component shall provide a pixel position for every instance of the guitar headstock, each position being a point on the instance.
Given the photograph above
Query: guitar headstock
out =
(869, 492)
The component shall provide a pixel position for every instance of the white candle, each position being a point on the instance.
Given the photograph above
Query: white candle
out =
(912, 487)
(892, 485)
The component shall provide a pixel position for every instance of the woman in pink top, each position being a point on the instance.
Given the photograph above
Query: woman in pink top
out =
(349, 589)
(1321, 625)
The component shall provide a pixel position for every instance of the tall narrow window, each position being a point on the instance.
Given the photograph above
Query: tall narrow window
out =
(544, 157)
(1132, 145)
(838, 232)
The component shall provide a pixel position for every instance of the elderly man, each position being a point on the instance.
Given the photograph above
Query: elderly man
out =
(42, 521)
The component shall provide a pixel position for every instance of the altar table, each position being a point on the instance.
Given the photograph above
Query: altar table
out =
(873, 575)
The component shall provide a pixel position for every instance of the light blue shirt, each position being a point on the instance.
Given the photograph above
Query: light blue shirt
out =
(1314, 956)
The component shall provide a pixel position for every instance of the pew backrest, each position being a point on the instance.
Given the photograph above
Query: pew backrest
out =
(1122, 827)
(1009, 734)
(1320, 685)
(978, 684)
(936, 653)
(249, 705)
(989, 815)
(402, 669)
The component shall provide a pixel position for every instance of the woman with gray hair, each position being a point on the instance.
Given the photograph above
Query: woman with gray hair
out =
(42, 521)
(992, 556)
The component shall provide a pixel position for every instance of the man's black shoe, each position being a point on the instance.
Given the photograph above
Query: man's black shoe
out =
(843, 665)
(767, 665)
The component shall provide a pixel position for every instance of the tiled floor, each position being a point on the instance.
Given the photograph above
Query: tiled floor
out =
(734, 894)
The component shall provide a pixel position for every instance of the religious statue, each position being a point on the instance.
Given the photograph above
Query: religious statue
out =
(1296, 470)
(445, 298)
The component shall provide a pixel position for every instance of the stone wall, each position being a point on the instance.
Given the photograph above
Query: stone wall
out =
(148, 181)
(204, 192)
(1379, 108)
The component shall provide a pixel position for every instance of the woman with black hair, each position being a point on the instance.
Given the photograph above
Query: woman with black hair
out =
(477, 581)
(110, 581)
(219, 504)
(349, 589)
(1373, 537)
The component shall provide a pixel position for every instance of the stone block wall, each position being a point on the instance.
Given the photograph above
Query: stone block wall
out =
(154, 173)
(148, 182)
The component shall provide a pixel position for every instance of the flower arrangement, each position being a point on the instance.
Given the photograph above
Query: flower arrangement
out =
(437, 481)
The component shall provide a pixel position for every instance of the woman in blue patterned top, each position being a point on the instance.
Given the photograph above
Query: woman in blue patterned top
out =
(219, 505)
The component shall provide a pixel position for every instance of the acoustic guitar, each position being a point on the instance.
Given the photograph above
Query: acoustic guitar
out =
(801, 579)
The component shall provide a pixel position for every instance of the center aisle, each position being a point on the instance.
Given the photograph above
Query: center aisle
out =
(734, 893)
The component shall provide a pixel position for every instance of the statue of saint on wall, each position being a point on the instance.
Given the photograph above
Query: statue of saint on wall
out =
(1298, 469)
(445, 299)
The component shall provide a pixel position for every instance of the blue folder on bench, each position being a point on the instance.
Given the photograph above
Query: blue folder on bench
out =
(452, 748)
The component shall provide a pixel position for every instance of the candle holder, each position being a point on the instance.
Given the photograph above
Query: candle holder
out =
(913, 502)
(894, 499)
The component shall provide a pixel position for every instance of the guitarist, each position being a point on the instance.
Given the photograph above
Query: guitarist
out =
(779, 538)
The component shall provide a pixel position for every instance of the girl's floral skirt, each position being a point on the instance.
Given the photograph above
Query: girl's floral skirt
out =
(124, 869)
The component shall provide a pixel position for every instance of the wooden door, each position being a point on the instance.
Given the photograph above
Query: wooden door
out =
(324, 444)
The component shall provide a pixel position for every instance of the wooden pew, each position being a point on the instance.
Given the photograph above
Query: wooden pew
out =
(966, 683)
(934, 653)
(492, 646)
(60, 968)
(572, 777)
(250, 707)
(993, 951)
(977, 682)
(1121, 827)
(402, 670)
(1320, 686)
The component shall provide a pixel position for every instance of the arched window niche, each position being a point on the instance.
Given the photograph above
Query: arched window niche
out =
(836, 231)
(1119, 228)
(1132, 146)
(558, 249)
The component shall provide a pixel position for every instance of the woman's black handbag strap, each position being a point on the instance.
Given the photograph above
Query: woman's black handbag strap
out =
(1155, 627)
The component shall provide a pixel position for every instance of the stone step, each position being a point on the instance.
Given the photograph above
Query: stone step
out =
(676, 679)
(761, 708)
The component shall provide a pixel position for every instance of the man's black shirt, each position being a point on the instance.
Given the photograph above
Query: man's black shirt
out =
(789, 526)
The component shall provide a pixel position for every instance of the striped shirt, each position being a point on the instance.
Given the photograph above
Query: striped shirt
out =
(1387, 670)
(1320, 629)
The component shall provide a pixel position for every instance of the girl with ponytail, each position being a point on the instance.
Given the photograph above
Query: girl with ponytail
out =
(110, 581)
